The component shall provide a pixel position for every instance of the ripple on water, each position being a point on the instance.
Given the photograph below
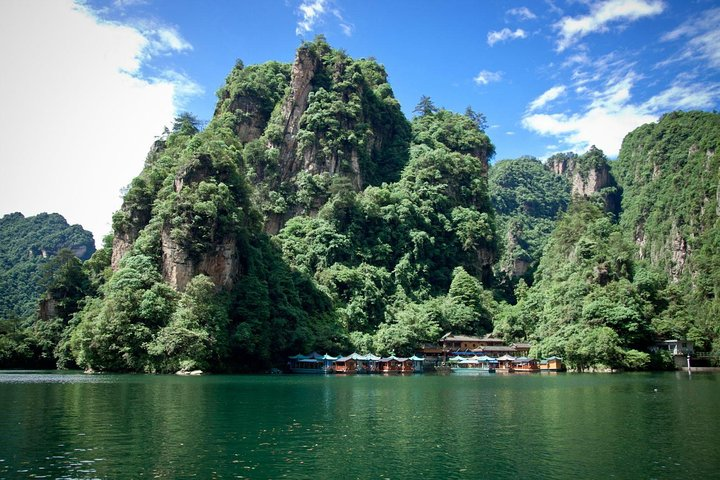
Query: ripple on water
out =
(64, 426)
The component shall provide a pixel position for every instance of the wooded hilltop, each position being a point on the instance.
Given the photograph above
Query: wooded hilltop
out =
(311, 214)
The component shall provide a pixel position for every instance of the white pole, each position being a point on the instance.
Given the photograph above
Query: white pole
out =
(688, 358)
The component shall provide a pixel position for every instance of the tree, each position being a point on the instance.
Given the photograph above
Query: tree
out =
(66, 283)
(478, 118)
(186, 124)
(197, 335)
(466, 290)
(425, 106)
(113, 332)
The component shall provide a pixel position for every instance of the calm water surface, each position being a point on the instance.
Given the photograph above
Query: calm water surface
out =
(68, 425)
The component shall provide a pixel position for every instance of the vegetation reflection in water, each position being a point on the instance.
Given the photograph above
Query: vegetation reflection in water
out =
(561, 426)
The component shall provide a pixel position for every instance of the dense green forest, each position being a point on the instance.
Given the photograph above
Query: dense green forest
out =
(311, 214)
(30, 249)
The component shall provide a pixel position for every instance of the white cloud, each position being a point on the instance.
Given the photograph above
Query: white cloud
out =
(603, 13)
(167, 39)
(547, 97)
(486, 76)
(78, 117)
(523, 13)
(346, 29)
(604, 123)
(312, 14)
(504, 34)
(703, 32)
(611, 114)
(684, 97)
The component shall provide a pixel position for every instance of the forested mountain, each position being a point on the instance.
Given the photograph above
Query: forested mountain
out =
(527, 197)
(591, 303)
(375, 218)
(670, 175)
(310, 214)
(26, 245)
(33, 253)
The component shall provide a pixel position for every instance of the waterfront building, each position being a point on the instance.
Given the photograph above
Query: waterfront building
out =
(552, 364)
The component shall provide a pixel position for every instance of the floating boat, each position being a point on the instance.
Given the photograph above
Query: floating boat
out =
(482, 364)
(356, 363)
(525, 365)
(505, 364)
(312, 363)
(552, 364)
(418, 363)
(393, 364)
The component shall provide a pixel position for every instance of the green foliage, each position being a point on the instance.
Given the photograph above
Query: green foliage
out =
(352, 126)
(186, 124)
(467, 291)
(26, 245)
(196, 336)
(113, 331)
(97, 267)
(412, 325)
(253, 90)
(527, 197)
(390, 252)
(458, 133)
(66, 283)
(669, 172)
(425, 106)
(277, 311)
(587, 305)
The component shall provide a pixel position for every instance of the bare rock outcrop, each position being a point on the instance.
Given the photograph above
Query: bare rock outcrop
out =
(589, 175)
(221, 263)
(586, 179)
(126, 234)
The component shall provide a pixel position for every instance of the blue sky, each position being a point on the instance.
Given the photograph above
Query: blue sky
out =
(87, 86)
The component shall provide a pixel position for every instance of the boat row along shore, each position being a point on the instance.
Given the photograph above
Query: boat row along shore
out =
(315, 363)
(451, 354)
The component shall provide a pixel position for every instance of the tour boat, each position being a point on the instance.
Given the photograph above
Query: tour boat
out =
(312, 363)
(552, 364)
(474, 364)
(525, 365)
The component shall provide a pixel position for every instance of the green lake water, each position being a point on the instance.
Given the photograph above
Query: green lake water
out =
(70, 425)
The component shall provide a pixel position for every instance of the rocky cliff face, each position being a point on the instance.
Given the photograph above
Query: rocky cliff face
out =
(136, 210)
(338, 119)
(220, 263)
(125, 236)
(670, 175)
(219, 258)
(303, 71)
(588, 174)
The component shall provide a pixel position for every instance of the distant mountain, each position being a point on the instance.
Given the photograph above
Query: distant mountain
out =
(26, 244)
(528, 197)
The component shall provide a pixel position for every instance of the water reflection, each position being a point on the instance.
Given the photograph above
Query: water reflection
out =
(130, 426)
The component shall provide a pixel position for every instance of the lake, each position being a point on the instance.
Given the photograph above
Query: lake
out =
(632, 425)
